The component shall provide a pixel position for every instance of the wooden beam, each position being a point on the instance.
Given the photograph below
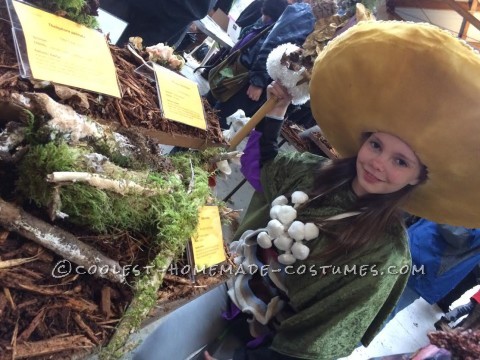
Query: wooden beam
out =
(467, 16)
(465, 24)
(429, 4)
(475, 44)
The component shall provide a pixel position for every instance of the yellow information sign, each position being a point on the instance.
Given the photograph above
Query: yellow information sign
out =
(179, 98)
(207, 243)
(64, 52)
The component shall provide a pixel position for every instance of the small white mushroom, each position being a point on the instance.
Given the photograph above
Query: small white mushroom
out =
(224, 167)
(287, 214)
(311, 231)
(300, 251)
(274, 211)
(298, 198)
(264, 241)
(283, 242)
(275, 228)
(281, 200)
(286, 259)
(297, 230)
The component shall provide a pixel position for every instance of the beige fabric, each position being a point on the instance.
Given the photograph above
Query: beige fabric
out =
(420, 83)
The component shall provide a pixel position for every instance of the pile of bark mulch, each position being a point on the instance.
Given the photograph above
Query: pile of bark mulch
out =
(315, 142)
(462, 343)
(138, 106)
(46, 313)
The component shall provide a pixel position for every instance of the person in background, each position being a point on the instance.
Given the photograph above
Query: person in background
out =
(388, 164)
(293, 23)
(442, 256)
(250, 14)
(157, 21)
(224, 5)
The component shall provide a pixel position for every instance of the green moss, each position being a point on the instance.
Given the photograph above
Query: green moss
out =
(76, 10)
(169, 217)
(102, 146)
(40, 161)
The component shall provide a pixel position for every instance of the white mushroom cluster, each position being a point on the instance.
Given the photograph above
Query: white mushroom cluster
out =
(286, 233)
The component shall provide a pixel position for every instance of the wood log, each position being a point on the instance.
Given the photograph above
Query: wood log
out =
(61, 242)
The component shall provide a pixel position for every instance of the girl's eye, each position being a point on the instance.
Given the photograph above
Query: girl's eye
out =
(374, 144)
(401, 162)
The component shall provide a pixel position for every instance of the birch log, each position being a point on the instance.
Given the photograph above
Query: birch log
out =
(61, 242)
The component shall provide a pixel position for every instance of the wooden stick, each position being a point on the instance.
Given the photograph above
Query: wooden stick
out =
(254, 120)
(121, 187)
(59, 241)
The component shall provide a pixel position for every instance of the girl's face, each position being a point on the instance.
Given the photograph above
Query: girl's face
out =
(385, 164)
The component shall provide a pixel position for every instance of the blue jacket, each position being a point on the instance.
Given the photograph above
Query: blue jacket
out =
(447, 253)
(295, 24)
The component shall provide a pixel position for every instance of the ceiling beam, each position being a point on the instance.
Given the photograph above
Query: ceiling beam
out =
(429, 4)
(466, 24)
(465, 13)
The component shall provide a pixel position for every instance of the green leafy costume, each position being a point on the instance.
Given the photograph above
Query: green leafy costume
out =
(333, 311)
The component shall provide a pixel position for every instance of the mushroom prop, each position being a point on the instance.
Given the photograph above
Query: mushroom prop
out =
(285, 233)
(285, 66)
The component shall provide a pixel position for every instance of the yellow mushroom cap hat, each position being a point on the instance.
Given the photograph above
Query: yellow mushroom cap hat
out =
(417, 82)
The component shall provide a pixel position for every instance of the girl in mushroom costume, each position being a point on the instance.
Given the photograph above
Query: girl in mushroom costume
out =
(399, 102)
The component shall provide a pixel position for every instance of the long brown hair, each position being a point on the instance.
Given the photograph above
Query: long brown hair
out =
(377, 211)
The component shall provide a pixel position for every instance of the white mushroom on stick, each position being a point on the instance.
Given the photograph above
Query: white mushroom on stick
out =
(286, 214)
(299, 198)
(297, 230)
(281, 200)
(300, 251)
(283, 70)
(286, 259)
(264, 240)
(283, 242)
(311, 231)
(275, 228)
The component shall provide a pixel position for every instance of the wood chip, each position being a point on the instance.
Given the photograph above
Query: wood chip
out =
(106, 302)
(24, 336)
(3, 304)
(80, 305)
(50, 346)
(8, 295)
(14, 340)
(41, 290)
(15, 262)
(3, 236)
(120, 113)
(81, 324)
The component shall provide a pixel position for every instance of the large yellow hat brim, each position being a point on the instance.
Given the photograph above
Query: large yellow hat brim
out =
(419, 83)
